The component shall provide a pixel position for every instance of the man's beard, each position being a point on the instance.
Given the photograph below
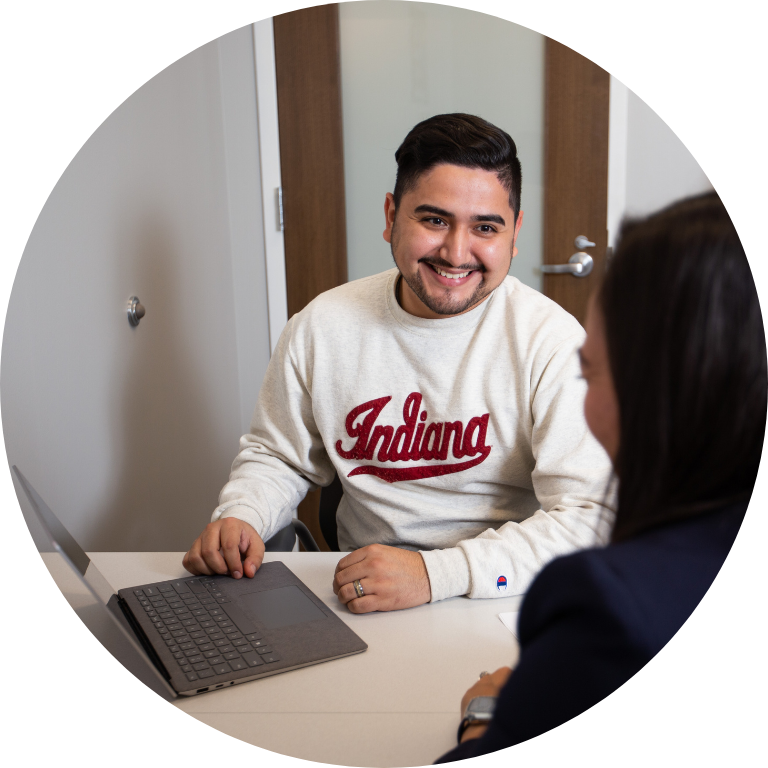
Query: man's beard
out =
(445, 304)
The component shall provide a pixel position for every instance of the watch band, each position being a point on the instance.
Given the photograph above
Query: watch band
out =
(479, 711)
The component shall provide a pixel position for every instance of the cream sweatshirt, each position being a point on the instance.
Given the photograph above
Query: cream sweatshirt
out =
(463, 438)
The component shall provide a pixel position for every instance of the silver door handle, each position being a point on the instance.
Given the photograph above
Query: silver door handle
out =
(579, 265)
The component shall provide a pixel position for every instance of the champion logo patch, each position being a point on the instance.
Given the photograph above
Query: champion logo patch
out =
(501, 583)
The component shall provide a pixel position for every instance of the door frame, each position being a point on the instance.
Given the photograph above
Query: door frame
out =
(271, 177)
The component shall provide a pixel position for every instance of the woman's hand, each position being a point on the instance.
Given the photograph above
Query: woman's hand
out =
(487, 685)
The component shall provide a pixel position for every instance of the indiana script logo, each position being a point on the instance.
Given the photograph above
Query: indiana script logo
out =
(413, 440)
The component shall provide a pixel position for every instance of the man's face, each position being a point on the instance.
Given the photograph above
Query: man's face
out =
(453, 238)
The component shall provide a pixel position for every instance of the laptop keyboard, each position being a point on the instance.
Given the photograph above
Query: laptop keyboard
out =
(193, 619)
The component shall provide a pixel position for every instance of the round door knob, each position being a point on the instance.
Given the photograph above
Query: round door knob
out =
(135, 311)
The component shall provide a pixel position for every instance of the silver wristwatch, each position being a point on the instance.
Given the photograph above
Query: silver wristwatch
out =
(479, 711)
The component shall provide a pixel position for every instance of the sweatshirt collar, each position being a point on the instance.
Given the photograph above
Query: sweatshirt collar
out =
(446, 326)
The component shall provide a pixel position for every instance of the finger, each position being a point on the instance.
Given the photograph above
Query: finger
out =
(353, 557)
(366, 604)
(254, 552)
(347, 592)
(348, 575)
(193, 561)
(230, 548)
(343, 594)
(210, 545)
(205, 552)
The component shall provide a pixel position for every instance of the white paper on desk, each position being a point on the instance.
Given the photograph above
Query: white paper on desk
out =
(509, 620)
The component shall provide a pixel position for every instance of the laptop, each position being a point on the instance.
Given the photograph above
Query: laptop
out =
(195, 634)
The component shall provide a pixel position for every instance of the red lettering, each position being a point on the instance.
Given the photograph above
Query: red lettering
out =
(415, 453)
(413, 440)
(455, 427)
(380, 432)
(361, 431)
(433, 433)
(415, 473)
(401, 443)
(479, 424)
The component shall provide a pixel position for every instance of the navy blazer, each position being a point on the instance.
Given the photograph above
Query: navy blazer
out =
(593, 619)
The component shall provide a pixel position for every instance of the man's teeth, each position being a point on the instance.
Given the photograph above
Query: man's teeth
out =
(450, 277)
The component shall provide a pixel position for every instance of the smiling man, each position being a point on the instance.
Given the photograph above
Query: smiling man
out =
(444, 393)
(452, 258)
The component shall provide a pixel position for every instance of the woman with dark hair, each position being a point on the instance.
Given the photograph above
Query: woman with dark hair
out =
(675, 363)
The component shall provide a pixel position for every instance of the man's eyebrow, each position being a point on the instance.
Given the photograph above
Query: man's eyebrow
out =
(492, 217)
(433, 209)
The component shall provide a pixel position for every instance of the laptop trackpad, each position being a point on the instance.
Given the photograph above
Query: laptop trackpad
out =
(280, 607)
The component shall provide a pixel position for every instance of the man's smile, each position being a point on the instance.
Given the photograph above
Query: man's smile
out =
(457, 276)
(450, 278)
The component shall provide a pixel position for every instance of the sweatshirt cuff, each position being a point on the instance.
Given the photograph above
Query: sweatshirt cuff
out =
(241, 512)
(448, 571)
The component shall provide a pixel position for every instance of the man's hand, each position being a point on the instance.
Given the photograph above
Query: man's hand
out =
(487, 685)
(220, 546)
(391, 579)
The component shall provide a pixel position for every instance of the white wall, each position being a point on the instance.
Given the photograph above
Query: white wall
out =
(659, 167)
(404, 62)
(649, 166)
(128, 433)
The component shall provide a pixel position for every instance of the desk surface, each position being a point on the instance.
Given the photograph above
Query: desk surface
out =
(394, 705)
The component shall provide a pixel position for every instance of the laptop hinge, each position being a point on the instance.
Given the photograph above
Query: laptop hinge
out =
(139, 632)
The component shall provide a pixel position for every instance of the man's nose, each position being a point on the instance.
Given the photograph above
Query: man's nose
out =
(455, 247)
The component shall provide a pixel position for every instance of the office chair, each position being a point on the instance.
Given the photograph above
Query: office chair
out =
(330, 496)
(285, 539)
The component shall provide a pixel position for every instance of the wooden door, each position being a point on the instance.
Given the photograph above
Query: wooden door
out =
(575, 171)
(311, 152)
(312, 168)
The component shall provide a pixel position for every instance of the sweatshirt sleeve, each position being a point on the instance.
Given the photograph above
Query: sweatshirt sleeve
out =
(571, 482)
(282, 457)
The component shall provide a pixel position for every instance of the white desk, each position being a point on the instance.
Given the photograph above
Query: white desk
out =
(396, 704)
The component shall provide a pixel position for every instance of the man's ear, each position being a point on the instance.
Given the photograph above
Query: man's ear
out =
(389, 216)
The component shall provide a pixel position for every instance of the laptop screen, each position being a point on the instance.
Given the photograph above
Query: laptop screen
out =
(83, 586)
(50, 535)
(57, 533)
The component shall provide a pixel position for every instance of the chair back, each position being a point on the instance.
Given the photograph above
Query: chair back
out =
(330, 497)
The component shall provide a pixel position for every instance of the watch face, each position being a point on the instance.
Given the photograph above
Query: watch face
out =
(482, 705)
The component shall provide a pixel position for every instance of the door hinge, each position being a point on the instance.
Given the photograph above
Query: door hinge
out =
(280, 219)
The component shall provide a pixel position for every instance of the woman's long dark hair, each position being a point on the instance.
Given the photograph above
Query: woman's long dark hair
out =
(687, 352)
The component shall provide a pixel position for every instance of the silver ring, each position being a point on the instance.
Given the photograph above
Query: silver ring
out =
(358, 587)
(483, 674)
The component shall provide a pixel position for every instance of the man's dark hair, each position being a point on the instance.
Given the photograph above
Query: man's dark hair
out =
(687, 354)
(458, 139)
